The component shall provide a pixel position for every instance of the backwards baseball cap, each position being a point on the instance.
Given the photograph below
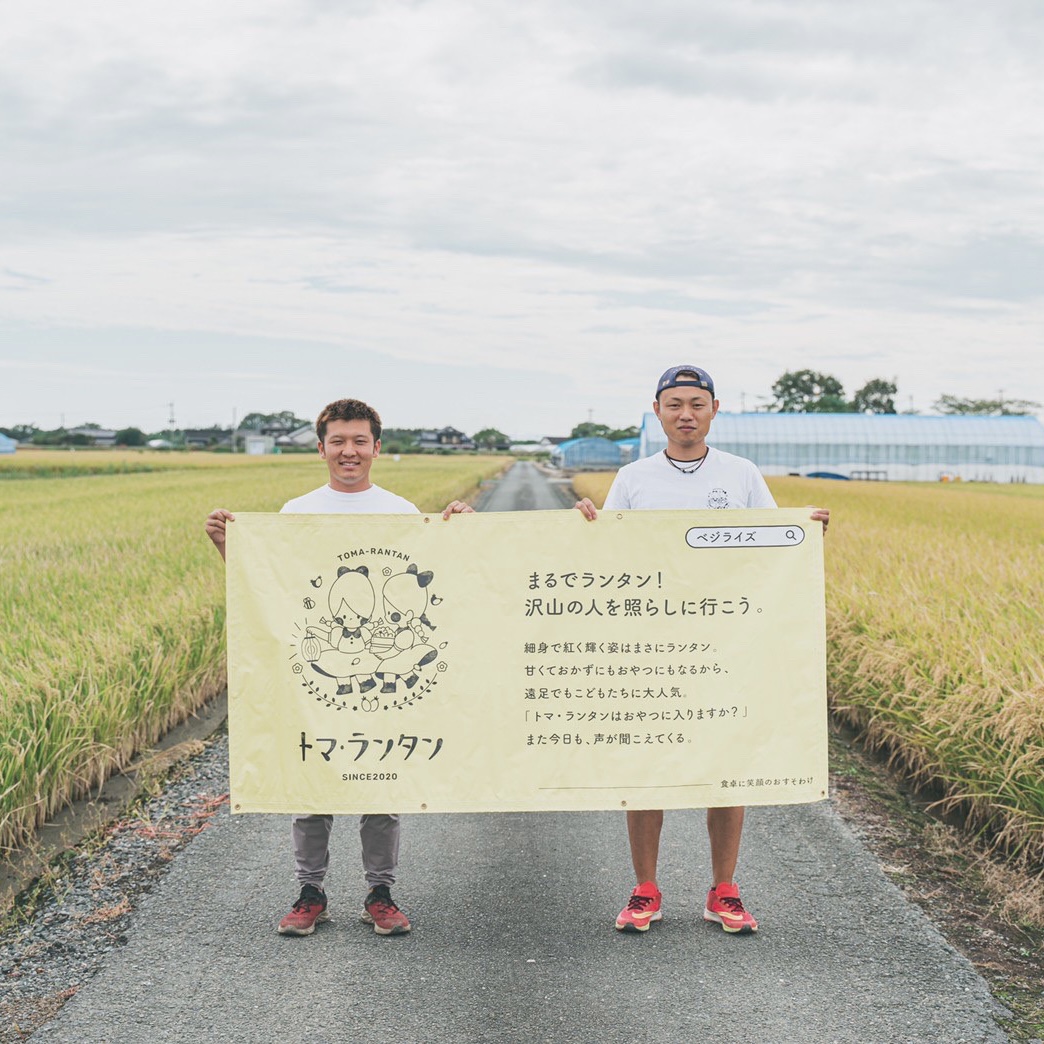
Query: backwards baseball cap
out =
(670, 379)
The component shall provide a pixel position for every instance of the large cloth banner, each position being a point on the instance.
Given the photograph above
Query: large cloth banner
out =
(525, 661)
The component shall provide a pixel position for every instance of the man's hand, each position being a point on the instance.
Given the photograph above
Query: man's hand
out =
(587, 509)
(215, 527)
(821, 515)
(457, 507)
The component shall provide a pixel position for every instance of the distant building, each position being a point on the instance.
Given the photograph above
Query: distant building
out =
(301, 437)
(444, 439)
(258, 445)
(95, 436)
(629, 448)
(7, 445)
(206, 438)
(590, 454)
(894, 447)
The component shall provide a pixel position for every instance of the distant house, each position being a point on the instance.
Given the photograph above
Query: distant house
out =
(302, 437)
(444, 439)
(277, 430)
(7, 445)
(206, 438)
(95, 436)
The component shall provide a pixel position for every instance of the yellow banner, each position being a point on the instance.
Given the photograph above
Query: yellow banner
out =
(525, 661)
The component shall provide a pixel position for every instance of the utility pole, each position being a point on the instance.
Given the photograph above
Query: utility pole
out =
(170, 420)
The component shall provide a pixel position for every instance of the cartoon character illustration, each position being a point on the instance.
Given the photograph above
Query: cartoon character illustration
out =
(717, 498)
(405, 623)
(342, 650)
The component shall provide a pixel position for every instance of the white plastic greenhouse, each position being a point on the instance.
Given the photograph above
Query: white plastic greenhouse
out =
(895, 447)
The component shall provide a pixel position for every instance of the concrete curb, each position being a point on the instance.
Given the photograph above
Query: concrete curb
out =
(83, 818)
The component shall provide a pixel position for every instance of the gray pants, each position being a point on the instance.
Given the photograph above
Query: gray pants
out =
(380, 848)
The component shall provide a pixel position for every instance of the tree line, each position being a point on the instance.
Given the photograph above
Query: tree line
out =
(807, 391)
(795, 391)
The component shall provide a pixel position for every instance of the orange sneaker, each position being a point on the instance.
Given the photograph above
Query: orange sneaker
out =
(641, 910)
(725, 907)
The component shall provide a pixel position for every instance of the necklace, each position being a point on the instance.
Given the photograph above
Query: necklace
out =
(696, 465)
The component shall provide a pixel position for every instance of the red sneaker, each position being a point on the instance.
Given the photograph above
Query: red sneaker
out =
(641, 910)
(381, 911)
(307, 912)
(725, 907)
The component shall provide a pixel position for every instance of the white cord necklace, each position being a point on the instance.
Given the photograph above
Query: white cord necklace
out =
(690, 470)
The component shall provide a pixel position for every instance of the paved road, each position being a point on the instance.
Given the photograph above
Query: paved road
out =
(525, 488)
(513, 941)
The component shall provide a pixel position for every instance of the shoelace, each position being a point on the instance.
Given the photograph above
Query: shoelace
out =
(384, 902)
(734, 903)
(639, 902)
(303, 903)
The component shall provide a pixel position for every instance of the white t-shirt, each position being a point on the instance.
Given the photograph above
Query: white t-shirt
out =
(327, 501)
(723, 480)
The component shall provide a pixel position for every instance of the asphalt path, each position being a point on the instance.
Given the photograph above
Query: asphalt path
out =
(513, 937)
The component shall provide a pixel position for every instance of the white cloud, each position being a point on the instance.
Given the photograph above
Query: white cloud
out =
(579, 192)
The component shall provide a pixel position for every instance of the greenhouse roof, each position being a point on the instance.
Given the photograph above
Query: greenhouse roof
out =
(897, 429)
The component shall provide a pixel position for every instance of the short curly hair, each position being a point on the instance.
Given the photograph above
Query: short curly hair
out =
(347, 410)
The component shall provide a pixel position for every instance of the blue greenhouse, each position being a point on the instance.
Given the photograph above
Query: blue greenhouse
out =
(590, 454)
(630, 448)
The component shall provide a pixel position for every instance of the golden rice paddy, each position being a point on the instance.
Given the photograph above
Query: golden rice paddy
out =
(113, 607)
(112, 601)
(935, 618)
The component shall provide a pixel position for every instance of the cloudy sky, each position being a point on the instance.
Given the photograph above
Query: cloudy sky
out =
(482, 212)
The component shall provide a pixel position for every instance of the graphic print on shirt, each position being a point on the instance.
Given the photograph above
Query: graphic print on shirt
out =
(373, 645)
(717, 498)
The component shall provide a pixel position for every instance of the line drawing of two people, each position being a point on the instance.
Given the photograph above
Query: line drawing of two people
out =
(357, 650)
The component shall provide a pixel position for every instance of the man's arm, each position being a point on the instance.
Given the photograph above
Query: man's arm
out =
(215, 527)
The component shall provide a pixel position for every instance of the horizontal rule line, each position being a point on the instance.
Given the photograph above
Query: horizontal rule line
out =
(650, 786)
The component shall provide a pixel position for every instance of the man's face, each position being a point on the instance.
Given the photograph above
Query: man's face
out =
(685, 415)
(349, 451)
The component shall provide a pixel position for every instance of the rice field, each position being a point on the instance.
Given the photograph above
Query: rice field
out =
(113, 606)
(935, 617)
(112, 601)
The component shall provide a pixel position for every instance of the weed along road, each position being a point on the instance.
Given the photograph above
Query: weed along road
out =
(513, 937)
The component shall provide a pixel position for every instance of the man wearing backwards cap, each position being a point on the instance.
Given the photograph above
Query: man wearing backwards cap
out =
(687, 474)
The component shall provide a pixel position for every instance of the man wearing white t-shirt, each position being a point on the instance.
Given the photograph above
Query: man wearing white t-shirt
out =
(349, 434)
(688, 474)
